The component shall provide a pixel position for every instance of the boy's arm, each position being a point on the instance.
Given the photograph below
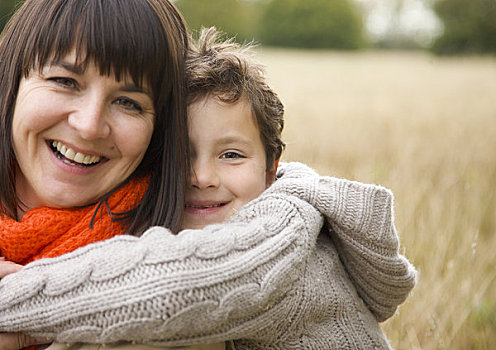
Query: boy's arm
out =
(14, 341)
(361, 225)
(223, 282)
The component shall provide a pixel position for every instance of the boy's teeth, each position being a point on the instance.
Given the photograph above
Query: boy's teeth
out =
(76, 157)
(206, 206)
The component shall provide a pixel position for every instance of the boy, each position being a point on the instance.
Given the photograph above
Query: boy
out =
(235, 125)
(270, 281)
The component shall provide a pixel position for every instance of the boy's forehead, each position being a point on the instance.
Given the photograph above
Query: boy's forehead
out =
(214, 105)
(239, 108)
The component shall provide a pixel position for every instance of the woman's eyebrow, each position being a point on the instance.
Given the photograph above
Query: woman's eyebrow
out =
(135, 88)
(79, 70)
(71, 67)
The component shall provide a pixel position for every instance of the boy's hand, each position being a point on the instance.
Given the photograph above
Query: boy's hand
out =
(18, 341)
(8, 267)
(15, 341)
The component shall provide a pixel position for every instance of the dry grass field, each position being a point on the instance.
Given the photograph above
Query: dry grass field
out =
(424, 127)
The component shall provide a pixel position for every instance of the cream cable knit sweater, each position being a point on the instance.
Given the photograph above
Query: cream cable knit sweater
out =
(267, 276)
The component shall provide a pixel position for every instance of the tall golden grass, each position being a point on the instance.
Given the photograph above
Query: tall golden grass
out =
(424, 127)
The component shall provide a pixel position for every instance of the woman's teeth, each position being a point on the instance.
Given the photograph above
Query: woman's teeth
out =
(73, 156)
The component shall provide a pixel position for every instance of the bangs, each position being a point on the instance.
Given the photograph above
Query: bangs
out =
(119, 37)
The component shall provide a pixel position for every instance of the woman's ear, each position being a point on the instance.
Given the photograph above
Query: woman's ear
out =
(270, 175)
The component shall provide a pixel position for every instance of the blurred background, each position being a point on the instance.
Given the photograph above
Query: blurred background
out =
(400, 93)
(442, 26)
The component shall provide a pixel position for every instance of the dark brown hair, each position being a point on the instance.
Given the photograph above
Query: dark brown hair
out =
(146, 39)
(227, 70)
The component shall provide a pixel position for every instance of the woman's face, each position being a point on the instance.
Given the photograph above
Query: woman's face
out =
(77, 134)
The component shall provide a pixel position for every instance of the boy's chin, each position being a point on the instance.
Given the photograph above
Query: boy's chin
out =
(192, 226)
(198, 221)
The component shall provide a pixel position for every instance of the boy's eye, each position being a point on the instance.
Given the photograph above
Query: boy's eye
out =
(231, 155)
(128, 104)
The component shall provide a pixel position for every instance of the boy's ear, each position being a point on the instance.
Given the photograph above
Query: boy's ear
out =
(270, 175)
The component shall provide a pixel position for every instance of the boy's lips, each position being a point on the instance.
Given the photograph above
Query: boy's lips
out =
(204, 208)
(198, 214)
(204, 204)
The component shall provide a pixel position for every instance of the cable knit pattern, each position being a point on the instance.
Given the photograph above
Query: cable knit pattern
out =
(361, 219)
(271, 276)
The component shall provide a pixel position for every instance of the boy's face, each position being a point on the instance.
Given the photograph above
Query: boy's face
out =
(228, 161)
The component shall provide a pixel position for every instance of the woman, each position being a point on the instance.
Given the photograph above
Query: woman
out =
(92, 117)
(116, 66)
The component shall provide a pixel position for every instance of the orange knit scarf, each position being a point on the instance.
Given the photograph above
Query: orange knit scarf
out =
(47, 232)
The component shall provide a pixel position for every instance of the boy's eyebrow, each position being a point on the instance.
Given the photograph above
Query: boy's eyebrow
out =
(233, 139)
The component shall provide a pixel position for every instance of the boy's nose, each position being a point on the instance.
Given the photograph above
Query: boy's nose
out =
(204, 175)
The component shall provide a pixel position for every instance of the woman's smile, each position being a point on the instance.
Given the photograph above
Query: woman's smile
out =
(71, 157)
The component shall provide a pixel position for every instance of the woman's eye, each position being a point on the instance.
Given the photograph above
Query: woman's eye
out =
(128, 104)
(65, 82)
(231, 155)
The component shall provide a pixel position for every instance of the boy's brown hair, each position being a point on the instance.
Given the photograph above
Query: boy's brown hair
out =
(227, 70)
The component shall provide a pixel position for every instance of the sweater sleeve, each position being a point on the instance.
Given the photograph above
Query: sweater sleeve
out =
(360, 222)
(226, 281)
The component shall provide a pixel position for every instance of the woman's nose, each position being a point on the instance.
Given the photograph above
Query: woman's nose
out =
(90, 119)
(204, 175)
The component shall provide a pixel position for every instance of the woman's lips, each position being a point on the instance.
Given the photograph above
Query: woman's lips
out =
(71, 157)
